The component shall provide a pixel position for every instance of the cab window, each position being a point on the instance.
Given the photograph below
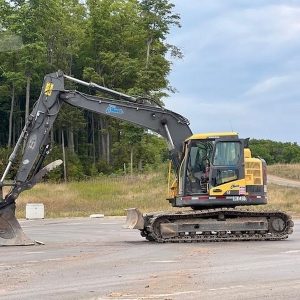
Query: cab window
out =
(227, 154)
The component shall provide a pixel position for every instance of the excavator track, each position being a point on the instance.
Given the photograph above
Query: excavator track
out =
(216, 225)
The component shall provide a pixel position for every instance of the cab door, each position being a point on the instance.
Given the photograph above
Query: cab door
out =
(227, 163)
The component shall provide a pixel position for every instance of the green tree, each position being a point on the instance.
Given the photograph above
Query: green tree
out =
(120, 44)
(275, 152)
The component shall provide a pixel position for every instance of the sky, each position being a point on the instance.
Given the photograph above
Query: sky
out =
(241, 67)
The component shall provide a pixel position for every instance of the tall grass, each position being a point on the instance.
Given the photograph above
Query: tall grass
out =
(291, 171)
(112, 195)
(107, 195)
(284, 198)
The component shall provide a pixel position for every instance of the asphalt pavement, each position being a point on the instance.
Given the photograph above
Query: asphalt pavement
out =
(97, 259)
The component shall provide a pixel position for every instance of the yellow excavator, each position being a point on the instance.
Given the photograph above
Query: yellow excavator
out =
(215, 172)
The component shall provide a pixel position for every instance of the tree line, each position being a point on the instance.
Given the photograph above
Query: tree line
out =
(120, 44)
(275, 152)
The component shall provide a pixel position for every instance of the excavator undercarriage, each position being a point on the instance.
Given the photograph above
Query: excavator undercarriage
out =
(211, 225)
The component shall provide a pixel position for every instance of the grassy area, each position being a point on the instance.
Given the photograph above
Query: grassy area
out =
(107, 195)
(112, 195)
(284, 198)
(291, 171)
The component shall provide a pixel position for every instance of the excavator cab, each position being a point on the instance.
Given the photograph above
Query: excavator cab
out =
(227, 161)
(216, 174)
(213, 163)
(213, 173)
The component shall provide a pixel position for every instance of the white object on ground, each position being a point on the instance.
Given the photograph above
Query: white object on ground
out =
(97, 216)
(35, 211)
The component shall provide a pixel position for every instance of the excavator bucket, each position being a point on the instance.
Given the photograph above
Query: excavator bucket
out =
(11, 233)
(135, 219)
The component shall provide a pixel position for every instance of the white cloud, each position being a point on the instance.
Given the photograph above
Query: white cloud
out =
(268, 85)
(275, 90)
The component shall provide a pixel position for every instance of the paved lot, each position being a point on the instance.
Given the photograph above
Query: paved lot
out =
(97, 259)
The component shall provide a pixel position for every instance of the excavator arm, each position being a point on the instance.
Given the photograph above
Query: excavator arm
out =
(35, 136)
(170, 125)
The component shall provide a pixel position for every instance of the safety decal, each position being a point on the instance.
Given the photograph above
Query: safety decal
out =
(242, 190)
(48, 88)
(113, 109)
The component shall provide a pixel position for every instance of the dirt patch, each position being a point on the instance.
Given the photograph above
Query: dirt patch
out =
(283, 181)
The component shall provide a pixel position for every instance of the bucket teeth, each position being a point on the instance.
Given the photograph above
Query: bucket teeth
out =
(11, 233)
(135, 219)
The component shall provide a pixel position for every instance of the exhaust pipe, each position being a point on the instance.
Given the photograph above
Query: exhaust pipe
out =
(11, 233)
(134, 220)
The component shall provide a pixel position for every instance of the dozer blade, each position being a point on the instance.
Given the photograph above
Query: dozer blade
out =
(134, 220)
(11, 233)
